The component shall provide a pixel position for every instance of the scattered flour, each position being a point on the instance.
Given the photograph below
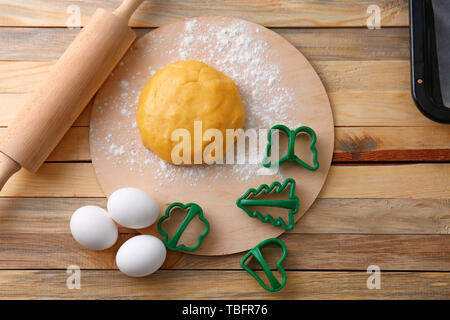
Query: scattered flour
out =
(116, 150)
(191, 25)
(235, 51)
(124, 84)
(126, 113)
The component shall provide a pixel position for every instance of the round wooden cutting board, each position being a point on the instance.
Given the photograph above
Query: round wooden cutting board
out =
(277, 85)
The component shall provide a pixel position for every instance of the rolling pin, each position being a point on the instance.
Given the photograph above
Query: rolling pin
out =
(56, 104)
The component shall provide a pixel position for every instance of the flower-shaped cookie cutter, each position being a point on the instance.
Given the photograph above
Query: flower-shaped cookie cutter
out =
(193, 210)
(292, 203)
(291, 156)
(275, 285)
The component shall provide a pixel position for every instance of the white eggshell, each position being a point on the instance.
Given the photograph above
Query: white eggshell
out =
(93, 228)
(141, 255)
(133, 208)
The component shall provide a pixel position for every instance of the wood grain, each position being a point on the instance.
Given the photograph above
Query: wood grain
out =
(55, 180)
(73, 147)
(50, 215)
(337, 76)
(424, 155)
(23, 76)
(350, 108)
(352, 44)
(396, 216)
(362, 93)
(11, 103)
(364, 75)
(374, 107)
(177, 284)
(370, 216)
(392, 144)
(388, 181)
(306, 252)
(377, 216)
(398, 181)
(352, 144)
(283, 13)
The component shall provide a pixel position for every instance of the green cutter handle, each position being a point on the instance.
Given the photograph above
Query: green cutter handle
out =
(292, 203)
(194, 210)
(275, 284)
(291, 157)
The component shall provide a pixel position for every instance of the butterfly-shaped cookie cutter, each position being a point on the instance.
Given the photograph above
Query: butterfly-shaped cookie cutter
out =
(291, 156)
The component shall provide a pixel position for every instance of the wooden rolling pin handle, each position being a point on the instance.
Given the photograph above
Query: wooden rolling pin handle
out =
(7, 168)
(127, 8)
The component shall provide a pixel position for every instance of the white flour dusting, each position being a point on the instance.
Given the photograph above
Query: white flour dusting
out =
(232, 49)
(123, 83)
(116, 150)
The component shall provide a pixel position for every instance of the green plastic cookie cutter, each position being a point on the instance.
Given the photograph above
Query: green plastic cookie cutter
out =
(292, 203)
(275, 285)
(290, 156)
(193, 210)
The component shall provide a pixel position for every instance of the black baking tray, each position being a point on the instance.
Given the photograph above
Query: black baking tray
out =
(425, 84)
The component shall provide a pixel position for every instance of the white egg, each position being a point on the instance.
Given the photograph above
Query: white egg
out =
(141, 255)
(133, 208)
(93, 228)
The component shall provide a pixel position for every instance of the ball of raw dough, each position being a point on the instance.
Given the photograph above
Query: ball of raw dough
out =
(177, 96)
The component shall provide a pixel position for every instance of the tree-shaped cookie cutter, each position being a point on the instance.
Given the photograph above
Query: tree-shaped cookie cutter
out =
(275, 285)
(292, 203)
(291, 156)
(193, 210)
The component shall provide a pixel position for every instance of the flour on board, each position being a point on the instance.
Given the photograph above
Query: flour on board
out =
(232, 49)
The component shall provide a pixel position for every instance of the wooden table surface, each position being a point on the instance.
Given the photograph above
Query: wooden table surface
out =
(385, 203)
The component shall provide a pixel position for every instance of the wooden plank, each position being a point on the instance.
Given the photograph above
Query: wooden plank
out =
(362, 93)
(22, 76)
(351, 144)
(350, 44)
(340, 252)
(363, 75)
(73, 147)
(9, 106)
(284, 13)
(306, 252)
(11, 103)
(398, 181)
(350, 108)
(366, 139)
(39, 215)
(421, 155)
(44, 44)
(376, 108)
(337, 76)
(417, 181)
(105, 284)
(56, 251)
(55, 180)
(374, 216)
(392, 144)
